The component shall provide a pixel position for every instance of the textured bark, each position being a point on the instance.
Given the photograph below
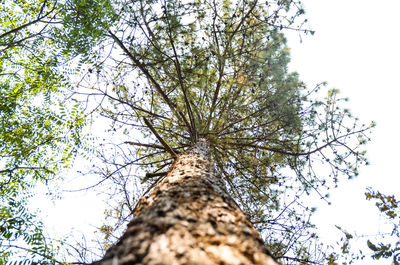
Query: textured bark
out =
(189, 218)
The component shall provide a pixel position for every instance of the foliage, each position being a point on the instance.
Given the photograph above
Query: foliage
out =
(165, 73)
(37, 136)
(389, 206)
(85, 23)
(384, 245)
(22, 237)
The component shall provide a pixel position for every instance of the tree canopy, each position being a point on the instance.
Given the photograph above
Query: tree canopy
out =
(175, 71)
(37, 139)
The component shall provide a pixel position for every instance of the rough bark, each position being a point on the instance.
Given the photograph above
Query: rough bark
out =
(189, 218)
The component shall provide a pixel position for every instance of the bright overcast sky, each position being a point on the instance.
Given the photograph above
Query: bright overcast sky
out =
(356, 50)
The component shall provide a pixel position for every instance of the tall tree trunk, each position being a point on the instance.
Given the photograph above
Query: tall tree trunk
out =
(189, 218)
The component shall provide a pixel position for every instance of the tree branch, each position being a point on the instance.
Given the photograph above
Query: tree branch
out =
(157, 86)
(29, 23)
(166, 146)
(221, 66)
(193, 130)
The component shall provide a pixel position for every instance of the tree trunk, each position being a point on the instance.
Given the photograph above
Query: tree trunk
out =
(189, 218)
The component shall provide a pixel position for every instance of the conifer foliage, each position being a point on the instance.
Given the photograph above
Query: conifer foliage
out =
(177, 71)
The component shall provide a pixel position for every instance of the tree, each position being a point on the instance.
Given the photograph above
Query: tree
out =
(181, 71)
(190, 218)
(37, 139)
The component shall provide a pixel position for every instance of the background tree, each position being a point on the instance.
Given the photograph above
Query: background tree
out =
(37, 136)
(180, 71)
(388, 247)
(383, 245)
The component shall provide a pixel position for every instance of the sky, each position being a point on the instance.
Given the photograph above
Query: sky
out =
(356, 50)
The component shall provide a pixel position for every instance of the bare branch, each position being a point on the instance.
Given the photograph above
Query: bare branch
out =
(157, 86)
(166, 146)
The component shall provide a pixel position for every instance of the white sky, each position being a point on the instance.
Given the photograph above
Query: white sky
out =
(355, 49)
